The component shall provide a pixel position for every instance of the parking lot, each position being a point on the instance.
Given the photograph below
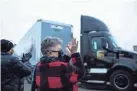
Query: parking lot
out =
(28, 87)
(82, 87)
(89, 87)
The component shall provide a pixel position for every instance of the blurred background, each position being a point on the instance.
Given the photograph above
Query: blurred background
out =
(17, 16)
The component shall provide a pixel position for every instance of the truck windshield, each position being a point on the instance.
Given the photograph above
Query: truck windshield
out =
(114, 42)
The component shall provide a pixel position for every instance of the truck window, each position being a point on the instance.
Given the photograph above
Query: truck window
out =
(95, 44)
(114, 42)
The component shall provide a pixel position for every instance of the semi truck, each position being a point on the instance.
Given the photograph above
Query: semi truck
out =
(104, 60)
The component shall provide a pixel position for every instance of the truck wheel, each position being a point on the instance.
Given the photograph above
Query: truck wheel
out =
(121, 81)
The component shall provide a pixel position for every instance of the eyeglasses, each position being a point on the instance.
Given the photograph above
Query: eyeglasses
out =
(54, 51)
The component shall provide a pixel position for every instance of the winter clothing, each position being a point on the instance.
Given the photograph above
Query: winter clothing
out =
(12, 71)
(51, 74)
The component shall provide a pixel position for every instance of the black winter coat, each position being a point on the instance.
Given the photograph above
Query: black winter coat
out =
(12, 71)
(21, 85)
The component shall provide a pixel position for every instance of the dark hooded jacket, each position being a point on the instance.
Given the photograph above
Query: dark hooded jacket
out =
(72, 73)
(12, 71)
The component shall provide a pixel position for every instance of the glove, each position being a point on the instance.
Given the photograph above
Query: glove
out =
(26, 57)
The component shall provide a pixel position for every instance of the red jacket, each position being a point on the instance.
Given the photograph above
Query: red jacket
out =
(55, 75)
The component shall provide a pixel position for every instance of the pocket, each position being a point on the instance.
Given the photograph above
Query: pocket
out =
(54, 82)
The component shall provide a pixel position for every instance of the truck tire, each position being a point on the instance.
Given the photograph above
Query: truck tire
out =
(121, 81)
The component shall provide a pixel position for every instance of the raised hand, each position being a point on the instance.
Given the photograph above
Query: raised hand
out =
(72, 47)
(68, 49)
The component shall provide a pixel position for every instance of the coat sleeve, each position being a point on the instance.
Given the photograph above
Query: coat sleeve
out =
(76, 69)
(66, 58)
(20, 68)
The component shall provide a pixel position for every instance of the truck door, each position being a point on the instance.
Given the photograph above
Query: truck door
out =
(96, 64)
(96, 67)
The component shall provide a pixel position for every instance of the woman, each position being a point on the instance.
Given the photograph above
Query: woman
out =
(54, 74)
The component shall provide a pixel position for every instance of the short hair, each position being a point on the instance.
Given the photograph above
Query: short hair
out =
(6, 45)
(49, 43)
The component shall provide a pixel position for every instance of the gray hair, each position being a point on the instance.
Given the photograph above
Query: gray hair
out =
(49, 43)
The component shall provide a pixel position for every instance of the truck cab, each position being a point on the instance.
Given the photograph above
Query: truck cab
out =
(105, 61)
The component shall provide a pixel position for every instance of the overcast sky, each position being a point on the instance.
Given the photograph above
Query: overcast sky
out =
(17, 16)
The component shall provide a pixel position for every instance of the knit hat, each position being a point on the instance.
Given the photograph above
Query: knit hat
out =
(6, 45)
